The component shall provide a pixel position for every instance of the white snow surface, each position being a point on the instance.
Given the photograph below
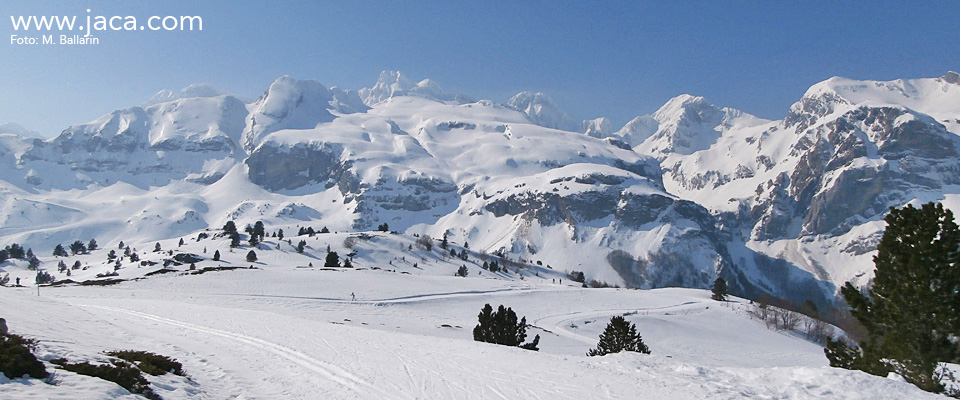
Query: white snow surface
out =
(287, 330)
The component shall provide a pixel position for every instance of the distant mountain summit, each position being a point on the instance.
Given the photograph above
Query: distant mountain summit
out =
(541, 110)
(195, 90)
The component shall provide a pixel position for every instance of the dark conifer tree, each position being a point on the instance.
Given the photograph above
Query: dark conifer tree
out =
(157, 247)
(912, 310)
(619, 335)
(77, 247)
(301, 245)
(92, 245)
(33, 262)
(500, 327)
(719, 290)
(216, 255)
(258, 230)
(251, 256)
(280, 234)
(59, 251)
(229, 227)
(332, 261)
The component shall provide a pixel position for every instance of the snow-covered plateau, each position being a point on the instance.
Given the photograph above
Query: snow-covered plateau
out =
(663, 206)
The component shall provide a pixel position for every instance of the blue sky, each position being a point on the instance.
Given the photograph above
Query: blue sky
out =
(617, 59)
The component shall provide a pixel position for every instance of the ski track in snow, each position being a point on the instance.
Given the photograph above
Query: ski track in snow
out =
(328, 371)
(561, 322)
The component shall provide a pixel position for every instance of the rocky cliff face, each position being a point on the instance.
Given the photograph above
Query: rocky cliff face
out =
(812, 189)
(145, 146)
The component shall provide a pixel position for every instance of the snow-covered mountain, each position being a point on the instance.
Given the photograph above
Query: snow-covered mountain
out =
(812, 189)
(195, 90)
(541, 110)
(692, 192)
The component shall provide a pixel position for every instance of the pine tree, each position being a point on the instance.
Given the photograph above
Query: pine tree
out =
(59, 251)
(332, 261)
(912, 310)
(443, 243)
(462, 271)
(216, 255)
(258, 230)
(347, 263)
(134, 257)
(500, 327)
(324, 230)
(181, 242)
(120, 246)
(619, 335)
(301, 245)
(229, 227)
(77, 247)
(156, 248)
(234, 239)
(719, 290)
(251, 256)
(280, 234)
(16, 251)
(92, 245)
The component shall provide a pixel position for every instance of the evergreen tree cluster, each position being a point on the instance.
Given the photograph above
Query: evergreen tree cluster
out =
(492, 266)
(501, 327)
(912, 310)
(309, 231)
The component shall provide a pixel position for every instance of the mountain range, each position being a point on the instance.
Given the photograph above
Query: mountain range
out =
(791, 208)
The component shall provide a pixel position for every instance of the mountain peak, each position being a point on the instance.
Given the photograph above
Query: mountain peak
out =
(677, 106)
(194, 90)
(394, 83)
(17, 129)
(951, 77)
(598, 128)
(541, 110)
